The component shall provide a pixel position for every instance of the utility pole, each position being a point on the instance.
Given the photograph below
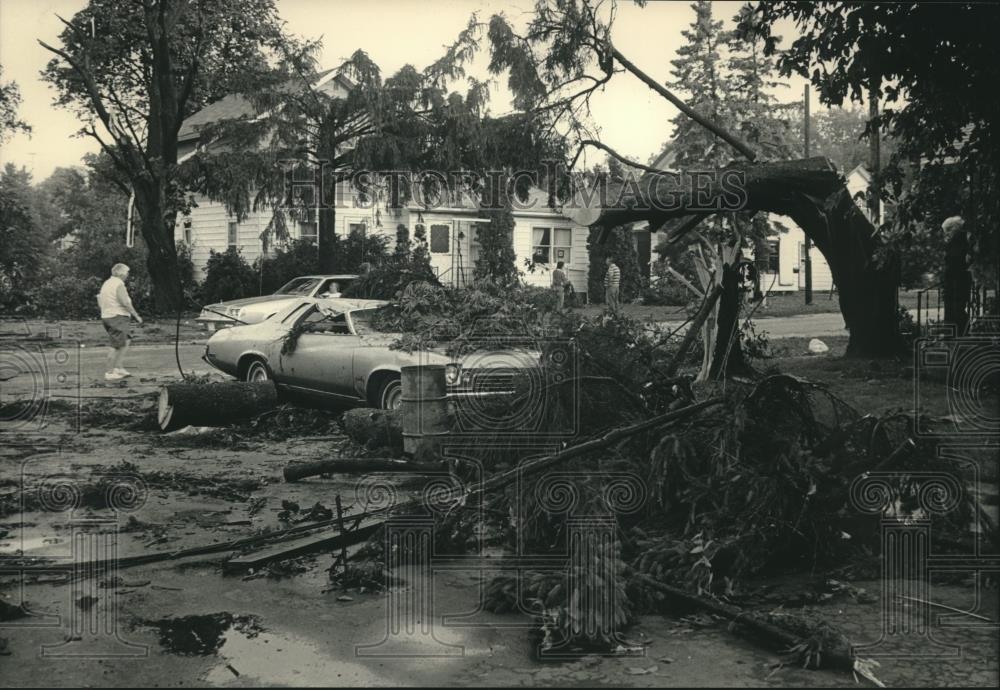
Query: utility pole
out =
(874, 155)
(807, 260)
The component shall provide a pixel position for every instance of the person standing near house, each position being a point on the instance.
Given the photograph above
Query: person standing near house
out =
(116, 314)
(612, 280)
(559, 285)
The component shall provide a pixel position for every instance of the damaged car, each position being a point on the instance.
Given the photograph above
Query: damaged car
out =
(328, 348)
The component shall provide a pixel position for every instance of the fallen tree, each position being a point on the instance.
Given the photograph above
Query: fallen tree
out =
(812, 193)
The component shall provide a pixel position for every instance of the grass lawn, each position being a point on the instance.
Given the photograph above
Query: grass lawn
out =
(787, 304)
(91, 331)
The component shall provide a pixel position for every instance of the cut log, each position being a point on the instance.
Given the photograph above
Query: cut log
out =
(301, 470)
(374, 428)
(213, 404)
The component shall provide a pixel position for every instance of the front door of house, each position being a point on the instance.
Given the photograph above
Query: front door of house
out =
(440, 237)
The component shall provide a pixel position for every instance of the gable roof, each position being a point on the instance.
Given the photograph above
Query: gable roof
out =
(666, 158)
(237, 105)
(862, 170)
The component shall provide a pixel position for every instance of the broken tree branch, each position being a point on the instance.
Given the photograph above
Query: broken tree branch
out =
(692, 332)
(684, 107)
(818, 651)
(301, 470)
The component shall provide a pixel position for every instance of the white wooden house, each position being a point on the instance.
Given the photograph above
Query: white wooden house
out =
(540, 233)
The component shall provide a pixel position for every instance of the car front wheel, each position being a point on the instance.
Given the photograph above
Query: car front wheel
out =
(257, 372)
(391, 394)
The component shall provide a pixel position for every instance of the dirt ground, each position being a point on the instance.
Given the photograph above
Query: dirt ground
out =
(187, 622)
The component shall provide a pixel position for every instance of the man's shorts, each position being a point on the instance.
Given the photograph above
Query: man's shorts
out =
(118, 328)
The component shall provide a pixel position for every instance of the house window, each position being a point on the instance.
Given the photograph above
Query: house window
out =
(187, 231)
(308, 231)
(440, 239)
(356, 229)
(233, 234)
(773, 259)
(550, 245)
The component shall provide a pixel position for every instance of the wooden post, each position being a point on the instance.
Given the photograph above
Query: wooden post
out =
(807, 259)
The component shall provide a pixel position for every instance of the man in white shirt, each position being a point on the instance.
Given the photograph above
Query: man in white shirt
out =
(116, 312)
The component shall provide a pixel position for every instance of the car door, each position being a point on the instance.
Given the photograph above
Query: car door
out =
(322, 358)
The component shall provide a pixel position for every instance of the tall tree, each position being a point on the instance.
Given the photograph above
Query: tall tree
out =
(22, 241)
(765, 123)
(134, 71)
(699, 74)
(567, 54)
(409, 122)
(934, 67)
(10, 101)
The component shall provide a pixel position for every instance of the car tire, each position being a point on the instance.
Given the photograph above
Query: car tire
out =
(257, 372)
(390, 393)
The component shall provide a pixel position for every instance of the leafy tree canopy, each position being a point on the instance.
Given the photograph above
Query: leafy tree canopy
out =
(10, 101)
(934, 68)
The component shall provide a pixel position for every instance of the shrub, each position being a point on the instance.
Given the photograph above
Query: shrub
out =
(74, 277)
(388, 279)
(298, 258)
(228, 276)
(496, 262)
(357, 249)
(64, 296)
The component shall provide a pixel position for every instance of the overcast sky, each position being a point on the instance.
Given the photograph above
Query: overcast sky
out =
(633, 119)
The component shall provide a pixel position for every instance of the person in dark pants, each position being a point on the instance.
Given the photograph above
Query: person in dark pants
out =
(956, 282)
(559, 285)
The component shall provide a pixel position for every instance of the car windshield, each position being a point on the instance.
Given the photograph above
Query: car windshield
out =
(298, 286)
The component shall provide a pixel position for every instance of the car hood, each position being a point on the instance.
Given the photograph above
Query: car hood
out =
(514, 357)
(249, 301)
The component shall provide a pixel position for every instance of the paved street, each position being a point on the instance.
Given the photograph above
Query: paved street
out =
(802, 326)
(30, 368)
(34, 369)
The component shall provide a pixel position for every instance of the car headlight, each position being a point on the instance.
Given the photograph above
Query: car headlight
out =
(452, 372)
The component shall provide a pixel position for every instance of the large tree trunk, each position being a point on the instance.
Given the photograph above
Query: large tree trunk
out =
(161, 257)
(813, 194)
(327, 238)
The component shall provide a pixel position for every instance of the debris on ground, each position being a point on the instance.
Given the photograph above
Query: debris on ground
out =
(818, 347)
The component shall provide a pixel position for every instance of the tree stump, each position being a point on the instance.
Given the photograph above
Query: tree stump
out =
(213, 404)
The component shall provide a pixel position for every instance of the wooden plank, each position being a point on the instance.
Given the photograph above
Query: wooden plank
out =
(325, 540)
